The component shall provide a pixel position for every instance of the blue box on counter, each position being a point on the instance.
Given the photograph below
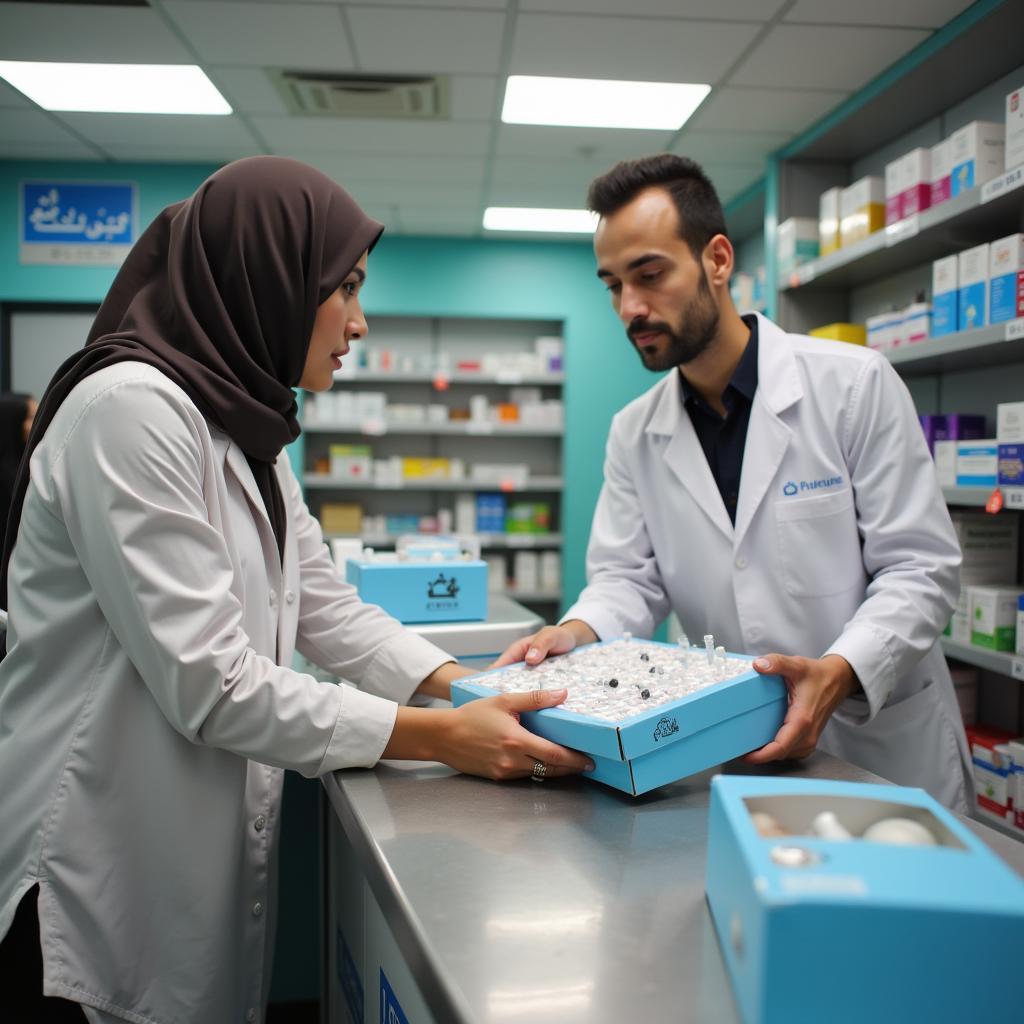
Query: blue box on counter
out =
(422, 591)
(857, 929)
(671, 741)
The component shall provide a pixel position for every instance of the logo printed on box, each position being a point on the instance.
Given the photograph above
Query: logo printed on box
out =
(665, 728)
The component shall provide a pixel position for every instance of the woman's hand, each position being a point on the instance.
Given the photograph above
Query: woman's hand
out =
(484, 737)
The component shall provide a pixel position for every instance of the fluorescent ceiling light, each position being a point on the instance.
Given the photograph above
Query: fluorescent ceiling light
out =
(599, 103)
(522, 218)
(116, 88)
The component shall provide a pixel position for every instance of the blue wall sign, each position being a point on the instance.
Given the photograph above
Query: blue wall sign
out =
(84, 223)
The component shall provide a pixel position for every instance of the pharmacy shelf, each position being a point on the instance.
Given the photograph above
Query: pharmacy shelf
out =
(996, 345)
(992, 661)
(457, 429)
(999, 824)
(510, 378)
(514, 541)
(537, 484)
(970, 497)
(976, 216)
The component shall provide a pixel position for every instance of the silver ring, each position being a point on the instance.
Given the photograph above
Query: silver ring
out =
(540, 770)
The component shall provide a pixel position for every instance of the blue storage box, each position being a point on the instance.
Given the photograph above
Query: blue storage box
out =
(848, 931)
(640, 752)
(424, 582)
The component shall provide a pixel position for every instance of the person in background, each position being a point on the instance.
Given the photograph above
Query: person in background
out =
(773, 490)
(161, 568)
(16, 414)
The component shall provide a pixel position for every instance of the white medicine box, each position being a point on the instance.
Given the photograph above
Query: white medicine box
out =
(972, 271)
(1006, 279)
(977, 155)
(945, 296)
(1015, 129)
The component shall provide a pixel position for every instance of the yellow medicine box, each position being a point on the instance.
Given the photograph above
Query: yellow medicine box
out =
(341, 517)
(425, 469)
(861, 210)
(855, 334)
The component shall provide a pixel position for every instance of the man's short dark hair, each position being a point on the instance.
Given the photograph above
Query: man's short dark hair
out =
(695, 198)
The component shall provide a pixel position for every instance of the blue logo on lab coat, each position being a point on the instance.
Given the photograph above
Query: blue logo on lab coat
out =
(790, 489)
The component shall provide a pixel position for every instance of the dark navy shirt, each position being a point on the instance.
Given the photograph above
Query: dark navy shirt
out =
(723, 439)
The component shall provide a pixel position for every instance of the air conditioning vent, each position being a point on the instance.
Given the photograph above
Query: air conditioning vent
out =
(321, 94)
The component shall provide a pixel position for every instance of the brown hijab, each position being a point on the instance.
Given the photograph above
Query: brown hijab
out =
(220, 294)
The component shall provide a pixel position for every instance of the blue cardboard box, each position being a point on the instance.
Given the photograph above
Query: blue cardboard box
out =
(422, 591)
(643, 751)
(850, 931)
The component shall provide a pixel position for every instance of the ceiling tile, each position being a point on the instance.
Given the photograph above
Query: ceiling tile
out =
(92, 34)
(414, 193)
(565, 173)
(459, 221)
(474, 97)
(248, 90)
(731, 178)
(908, 13)
(70, 150)
(543, 196)
(412, 41)
(809, 57)
(600, 145)
(167, 130)
(771, 110)
(289, 135)
(188, 154)
(727, 10)
(643, 49)
(273, 34)
(410, 170)
(31, 127)
(10, 97)
(730, 147)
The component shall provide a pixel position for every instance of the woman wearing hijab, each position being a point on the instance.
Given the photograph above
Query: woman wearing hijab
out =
(16, 413)
(160, 569)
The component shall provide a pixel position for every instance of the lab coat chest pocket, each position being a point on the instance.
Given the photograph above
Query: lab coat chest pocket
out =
(818, 544)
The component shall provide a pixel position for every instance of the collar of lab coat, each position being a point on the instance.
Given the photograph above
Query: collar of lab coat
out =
(778, 387)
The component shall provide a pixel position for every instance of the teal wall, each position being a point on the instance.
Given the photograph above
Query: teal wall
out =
(415, 277)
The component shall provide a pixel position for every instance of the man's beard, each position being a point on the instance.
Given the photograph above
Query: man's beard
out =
(700, 325)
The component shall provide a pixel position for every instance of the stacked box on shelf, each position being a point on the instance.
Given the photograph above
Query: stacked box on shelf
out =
(1010, 442)
(977, 155)
(1014, 128)
(648, 746)
(1006, 279)
(989, 547)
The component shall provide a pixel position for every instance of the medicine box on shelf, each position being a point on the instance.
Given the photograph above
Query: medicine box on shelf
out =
(857, 929)
(413, 585)
(647, 748)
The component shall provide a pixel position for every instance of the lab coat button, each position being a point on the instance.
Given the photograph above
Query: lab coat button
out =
(260, 821)
(250, 1015)
(257, 909)
(289, 596)
(741, 562)
(273, 599)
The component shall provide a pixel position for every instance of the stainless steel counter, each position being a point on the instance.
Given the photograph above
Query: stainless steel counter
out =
(564, 901)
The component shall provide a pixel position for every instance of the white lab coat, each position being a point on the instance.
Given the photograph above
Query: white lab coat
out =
(145, 710)
(842, 545)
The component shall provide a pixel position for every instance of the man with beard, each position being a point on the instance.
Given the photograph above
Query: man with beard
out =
(776, 491)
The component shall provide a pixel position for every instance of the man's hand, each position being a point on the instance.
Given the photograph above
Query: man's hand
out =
(816, 688)
(550, 640)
